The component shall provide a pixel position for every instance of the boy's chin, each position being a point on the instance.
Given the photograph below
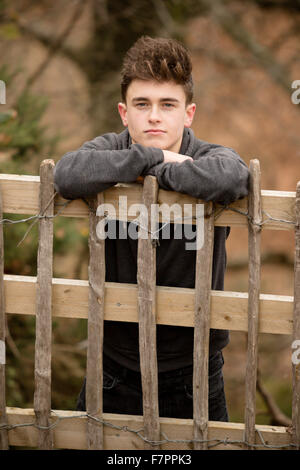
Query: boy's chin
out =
(157, 145)
(154, 142)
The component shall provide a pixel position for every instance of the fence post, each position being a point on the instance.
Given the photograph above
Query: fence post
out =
(3, 419)
(296, 326)
(42, 394)
(254, 225)
(146, 280)
(202, 325)
(94, 376)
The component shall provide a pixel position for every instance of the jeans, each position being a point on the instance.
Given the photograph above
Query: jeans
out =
(122, 391)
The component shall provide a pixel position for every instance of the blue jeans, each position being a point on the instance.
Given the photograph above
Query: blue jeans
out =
(122, 391)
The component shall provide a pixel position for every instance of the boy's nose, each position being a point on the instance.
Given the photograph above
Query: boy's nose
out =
(154, 115)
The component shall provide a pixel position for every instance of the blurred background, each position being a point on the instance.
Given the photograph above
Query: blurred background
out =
(61, 65)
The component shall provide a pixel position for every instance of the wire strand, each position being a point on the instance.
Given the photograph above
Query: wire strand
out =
(166, 440)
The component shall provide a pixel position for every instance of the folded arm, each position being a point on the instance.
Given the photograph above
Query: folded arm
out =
(96, 166)
(216, 174)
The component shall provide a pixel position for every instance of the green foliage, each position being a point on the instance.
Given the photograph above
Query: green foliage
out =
(20, 128)
(9, 31)
(7, 116)
(8, 28)
(3, 5)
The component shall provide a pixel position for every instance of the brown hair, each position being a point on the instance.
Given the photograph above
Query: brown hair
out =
(158, 59)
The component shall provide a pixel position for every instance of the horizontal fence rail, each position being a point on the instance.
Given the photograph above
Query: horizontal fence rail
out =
(175, 306)
(148, 304)
(121, 432)
(20, 195)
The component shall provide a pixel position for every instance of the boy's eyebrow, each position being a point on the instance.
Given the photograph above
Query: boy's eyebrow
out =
(141, 98)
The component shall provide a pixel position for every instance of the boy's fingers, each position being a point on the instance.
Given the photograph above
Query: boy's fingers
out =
(172, 157)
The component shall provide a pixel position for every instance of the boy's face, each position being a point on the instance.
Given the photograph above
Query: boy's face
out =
(156, 114)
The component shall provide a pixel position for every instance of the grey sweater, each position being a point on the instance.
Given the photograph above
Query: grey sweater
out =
(217, 174)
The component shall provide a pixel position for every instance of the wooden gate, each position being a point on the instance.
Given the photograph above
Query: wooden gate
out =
(147, 304)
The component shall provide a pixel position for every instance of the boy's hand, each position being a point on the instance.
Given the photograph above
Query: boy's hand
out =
(169, 157)
(172, 157)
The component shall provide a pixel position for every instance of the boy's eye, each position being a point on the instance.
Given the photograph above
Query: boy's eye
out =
(164, 105)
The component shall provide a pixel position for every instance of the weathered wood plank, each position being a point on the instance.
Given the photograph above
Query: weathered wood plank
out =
(42, 370)
(205, 238)
(253, 300)
(70, 433)
(175, 306)
(146, 282)
(3, 432)
(94, 376)
(296, 328)
(20, 196)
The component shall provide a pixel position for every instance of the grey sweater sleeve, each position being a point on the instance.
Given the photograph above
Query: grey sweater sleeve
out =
(217, 174)
(99, 164)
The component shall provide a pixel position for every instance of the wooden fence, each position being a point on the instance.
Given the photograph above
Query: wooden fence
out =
(148, 305)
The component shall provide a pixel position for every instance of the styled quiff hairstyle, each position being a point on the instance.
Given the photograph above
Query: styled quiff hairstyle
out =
(157, 59)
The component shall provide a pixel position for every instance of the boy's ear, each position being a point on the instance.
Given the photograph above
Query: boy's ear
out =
(123, 113)
(189, 114)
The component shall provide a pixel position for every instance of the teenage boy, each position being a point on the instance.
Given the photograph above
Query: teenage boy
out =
(157, 111)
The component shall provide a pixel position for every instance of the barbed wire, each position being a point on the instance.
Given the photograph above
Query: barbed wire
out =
(217, 211)
(35, 217)
(40, 215)
(138, 432)
(260, 224)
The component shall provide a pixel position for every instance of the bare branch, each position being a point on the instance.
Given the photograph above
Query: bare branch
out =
(54, 44)
(169, 24)
(264, 58)
(278, 417)
(285, 5)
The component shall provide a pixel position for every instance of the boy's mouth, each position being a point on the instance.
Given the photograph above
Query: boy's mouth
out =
(155, 131)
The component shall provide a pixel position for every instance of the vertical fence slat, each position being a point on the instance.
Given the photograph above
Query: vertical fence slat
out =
(42, 394)
(296, 326)
(94, 376)
(146, 280)
(3, 420)
(202, 326)
(255, 218)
